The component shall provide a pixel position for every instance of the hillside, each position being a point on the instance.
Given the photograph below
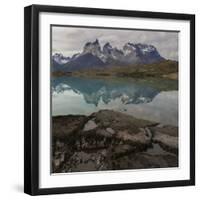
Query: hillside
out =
(163, 69)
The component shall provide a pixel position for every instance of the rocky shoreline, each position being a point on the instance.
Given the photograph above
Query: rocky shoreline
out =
(109, 140)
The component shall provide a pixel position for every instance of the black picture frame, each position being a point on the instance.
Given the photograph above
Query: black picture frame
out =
(31, 98)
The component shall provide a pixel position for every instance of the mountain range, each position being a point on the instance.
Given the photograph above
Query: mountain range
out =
(94, 56)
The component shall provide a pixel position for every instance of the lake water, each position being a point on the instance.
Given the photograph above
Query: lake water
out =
(152, 99)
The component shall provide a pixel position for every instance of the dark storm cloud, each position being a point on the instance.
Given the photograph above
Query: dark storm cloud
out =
(70, 40)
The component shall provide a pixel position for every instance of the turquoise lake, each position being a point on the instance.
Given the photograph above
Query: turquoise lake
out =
(153, 99)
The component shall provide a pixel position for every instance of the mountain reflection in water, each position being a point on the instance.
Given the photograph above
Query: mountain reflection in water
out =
(155, 100)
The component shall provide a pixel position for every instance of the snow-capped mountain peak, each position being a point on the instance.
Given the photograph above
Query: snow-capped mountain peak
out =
(145, 48)
(60, 59)
(128, 49)
(94, 48)
(107, 47)
(112, 53)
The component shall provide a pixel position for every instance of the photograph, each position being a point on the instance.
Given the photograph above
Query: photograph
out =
(109, 99)
(114, 99)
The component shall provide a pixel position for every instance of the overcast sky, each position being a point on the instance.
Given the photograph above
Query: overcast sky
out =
(71, 40)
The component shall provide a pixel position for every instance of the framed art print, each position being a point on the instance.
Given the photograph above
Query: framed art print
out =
(109, 100)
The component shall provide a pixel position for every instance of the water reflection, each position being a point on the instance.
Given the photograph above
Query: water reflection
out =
(140, 98)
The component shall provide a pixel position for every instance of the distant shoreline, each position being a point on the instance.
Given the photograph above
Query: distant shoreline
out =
(165, 69)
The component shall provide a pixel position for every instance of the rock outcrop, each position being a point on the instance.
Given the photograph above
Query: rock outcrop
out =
(109, 140)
